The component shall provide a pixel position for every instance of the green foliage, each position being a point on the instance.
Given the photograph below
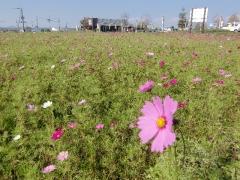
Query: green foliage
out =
(208, 137)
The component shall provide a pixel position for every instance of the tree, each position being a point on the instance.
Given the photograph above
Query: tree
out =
(233, 18)
(218, 21)
(125, 19)
(85, 24)
(144, 22)
(182, 22)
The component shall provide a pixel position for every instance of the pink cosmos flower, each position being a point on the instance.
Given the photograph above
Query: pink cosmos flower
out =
(156, 123)
(147, 86)
(62, 156)
(222, 72)
(57, 134)
(72, 125)
(31, 107)
(173, 81)
(196, 80)
(161, 64)
(48, 169)
(99, 126)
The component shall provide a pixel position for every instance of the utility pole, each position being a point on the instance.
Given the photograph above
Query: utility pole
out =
(163, 21)
(66, 27)
(21, 18)
(204, 19)
(18, 21)
(49, 22)
(59, 24)
(191, 21)
(37, 22)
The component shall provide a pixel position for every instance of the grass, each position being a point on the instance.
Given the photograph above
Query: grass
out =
(207, 129)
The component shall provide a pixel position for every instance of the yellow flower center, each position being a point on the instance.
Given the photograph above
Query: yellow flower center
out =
(161, 122)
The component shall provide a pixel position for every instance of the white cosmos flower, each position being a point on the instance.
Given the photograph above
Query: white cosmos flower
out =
(227, 75)
(83, 101)
(17, 137)
(63, 60)
(21, 67)
(150, 54)
(47, 104)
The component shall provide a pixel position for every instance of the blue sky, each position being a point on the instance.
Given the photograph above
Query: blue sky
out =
(71, 11)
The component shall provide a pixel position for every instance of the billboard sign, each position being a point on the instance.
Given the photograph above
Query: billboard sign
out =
(199, 14)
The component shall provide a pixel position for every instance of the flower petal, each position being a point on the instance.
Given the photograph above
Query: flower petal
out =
(148, 129)
(48, 169)
(170, 107)
(158, 105)
(163, 139)
(144, 121)
(150, 110)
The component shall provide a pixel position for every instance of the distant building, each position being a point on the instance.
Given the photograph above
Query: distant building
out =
(106, 25)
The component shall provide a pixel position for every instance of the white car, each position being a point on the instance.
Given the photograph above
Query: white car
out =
(235, 27)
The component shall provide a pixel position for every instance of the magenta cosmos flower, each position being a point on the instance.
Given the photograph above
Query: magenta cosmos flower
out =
(146, 87)
(57, 134)
(161, 64)
(48, 169)
(173, 81)
(156, 123)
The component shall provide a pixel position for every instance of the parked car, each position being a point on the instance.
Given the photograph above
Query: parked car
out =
(234, 27)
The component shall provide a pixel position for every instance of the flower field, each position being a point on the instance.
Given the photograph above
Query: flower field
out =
(119, 106)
